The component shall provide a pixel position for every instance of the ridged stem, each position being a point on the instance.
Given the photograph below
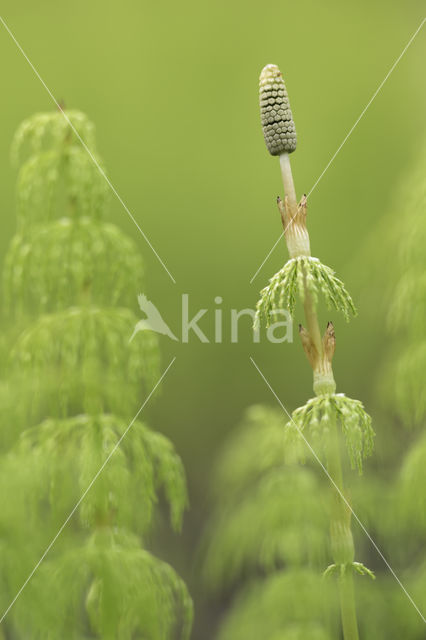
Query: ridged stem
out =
(342, 544)
(347, 607)
(287, 177)
(311, 318)
(301, 247)
(340, 527)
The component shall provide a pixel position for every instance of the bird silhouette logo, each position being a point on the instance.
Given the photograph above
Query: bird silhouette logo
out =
(153, 321)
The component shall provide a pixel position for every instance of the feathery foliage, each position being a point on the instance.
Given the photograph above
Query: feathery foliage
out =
(279, 521)
(404, 382)
(394, 507)
(271, 514)
(128, 593)
(51, 130)
(291, 282)
(259, 444)
(412, 483)
(69, 261)
(407, 301)
(71, 359)
(291, 605)
(273, 523)
(81, 458)
(407, 309)
(58, 176)
(320, 413)
(76, 447)
(408, 382)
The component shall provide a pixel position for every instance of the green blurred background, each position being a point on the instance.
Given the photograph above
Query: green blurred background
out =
(172, 89)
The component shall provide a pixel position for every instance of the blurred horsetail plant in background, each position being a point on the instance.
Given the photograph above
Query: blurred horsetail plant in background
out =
(283, 520)
(394, 506)
(71, 387)
(402, 390)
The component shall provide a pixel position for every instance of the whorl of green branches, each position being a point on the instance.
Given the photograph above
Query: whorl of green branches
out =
(80, 384)
(395, 511)
(409, 228)
(407, 312)
(80, 360)
(407, 372)
(143, 464)
(402, 380)
(51, 130)
(69, 262)
(288, 605)
(389, 613)
(349, 567)
(318, 414)
(280, 521)
(120, 589)
(411, 490)
(258, 445)
(54, 184)
(59, 177)
(288, 284)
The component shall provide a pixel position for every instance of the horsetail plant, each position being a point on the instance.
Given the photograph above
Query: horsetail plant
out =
(267, 536)
(68, 279)
(328, 414)
(395, 503)
(402, 379)
(273, 514)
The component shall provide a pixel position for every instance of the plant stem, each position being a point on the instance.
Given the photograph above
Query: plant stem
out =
(312, 323)
(341, 538)
(347, 607)
(340, 530)
(287, 176)
(340, 525)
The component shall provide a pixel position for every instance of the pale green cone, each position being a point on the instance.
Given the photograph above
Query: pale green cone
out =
(275, 113)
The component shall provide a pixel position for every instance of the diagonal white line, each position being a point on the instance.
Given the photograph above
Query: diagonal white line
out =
(92, 157)
(271, 251)
(86, 491)
(339, 492)
(368, 104)
(350, 131)
(277, 241)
